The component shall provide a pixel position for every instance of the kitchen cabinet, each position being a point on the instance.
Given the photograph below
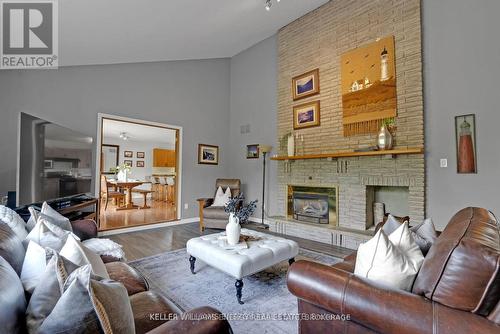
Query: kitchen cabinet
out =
(164, 158)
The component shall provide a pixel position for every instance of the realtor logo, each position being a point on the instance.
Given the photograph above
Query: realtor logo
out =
(28, 33)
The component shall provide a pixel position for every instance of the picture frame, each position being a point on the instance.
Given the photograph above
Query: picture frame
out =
(305, 85)
(306, 115)
(129, 163)
(128, 154)
(253, 151)
(208, 154)
(465, 137)
(139, 163)
(140, 155)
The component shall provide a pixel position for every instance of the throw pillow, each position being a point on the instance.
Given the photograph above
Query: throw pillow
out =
(80, 255)
(425, 235)
(48, 291)
(57, 218)
(34, 265)
(403, 240)
(105, 247)
(30, 224)
(90, 304)
(11, 248)
(14, 221)
(12, 300)
(381, 261)
(221, 197)
(390, 225)
(47, 234)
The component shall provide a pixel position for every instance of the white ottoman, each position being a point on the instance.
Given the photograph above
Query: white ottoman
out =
(260, 254)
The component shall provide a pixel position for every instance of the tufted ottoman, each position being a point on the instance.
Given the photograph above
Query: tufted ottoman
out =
(263, 253)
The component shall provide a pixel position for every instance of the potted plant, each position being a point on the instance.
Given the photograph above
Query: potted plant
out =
(238, 213)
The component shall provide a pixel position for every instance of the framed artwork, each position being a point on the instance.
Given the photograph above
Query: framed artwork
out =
(129, 163)
(305, 85)
(208, 154)
(368, 87)
(139, 163)
(253, 151)
(465, 132)
(128, 154)
(306, 115)
(140, 155)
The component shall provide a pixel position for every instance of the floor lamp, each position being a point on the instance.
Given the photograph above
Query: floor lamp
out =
(264, 149)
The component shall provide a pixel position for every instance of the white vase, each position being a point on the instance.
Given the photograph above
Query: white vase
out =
(233, 230)
(122, 176)
(291, 145)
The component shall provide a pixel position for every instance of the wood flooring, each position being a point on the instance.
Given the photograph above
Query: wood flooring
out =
(163, 239)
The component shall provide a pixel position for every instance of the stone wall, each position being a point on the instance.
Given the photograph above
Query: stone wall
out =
(317, 40)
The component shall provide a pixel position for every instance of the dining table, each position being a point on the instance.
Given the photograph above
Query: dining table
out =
(128, 186)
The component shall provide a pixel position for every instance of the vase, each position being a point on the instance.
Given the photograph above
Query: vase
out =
(384, 138)
(233, 230)
(122, 176)
(291, 145)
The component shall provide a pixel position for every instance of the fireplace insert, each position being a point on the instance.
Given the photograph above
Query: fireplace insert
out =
(310, 207)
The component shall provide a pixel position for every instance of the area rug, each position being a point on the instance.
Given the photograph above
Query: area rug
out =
(267, 299)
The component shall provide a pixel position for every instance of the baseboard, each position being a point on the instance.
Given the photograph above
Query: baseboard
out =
(148, 227)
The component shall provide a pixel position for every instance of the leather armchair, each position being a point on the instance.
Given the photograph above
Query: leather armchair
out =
(215, 216)
(456, 291)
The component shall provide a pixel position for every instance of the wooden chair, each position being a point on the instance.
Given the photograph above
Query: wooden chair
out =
(106, 194)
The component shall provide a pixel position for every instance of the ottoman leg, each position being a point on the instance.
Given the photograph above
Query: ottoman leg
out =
(239, 287)
(192, 260)
(291, 261)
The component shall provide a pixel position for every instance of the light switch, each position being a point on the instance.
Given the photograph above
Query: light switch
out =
(443, 163)
(186, 206)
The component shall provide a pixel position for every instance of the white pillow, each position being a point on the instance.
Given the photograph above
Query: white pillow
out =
(57, 218)
(381, 261)
(30, 224)
(105, 247)
(391, 224)
(14, 221)
(424, 234)
(221, 197)
(34, 265)
(402, 238)
(47, 234)
(80, 255)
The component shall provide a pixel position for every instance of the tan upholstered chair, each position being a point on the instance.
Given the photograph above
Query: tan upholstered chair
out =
(214, 216)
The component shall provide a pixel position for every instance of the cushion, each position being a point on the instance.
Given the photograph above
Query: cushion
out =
(146, 303)
(90, 304)
(133, 281)
(80, 255)
(34, 265)
(424, 234)
(84, 228)
(461, 269)
(221, 197)
(14, 221)
(215, 212)
(11, 248)
(391, 225)
(57, 218)
(105, 247)
(12, 300)
(48, 291)
(403, 240)
(47, 234)
(381, 261)
(30, 224)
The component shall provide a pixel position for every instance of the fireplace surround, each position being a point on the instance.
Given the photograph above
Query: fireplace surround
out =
(316, 205)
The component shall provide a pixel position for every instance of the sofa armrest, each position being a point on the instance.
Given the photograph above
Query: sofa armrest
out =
(377, 307)
(203, 320)
(205, 202)
(84, 228)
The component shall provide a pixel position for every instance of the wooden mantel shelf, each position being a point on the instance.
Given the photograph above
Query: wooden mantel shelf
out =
(349, 154)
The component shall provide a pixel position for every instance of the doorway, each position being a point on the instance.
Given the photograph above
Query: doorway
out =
(138, 172)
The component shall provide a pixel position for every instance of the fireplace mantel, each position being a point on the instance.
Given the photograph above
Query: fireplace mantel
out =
(349, 154)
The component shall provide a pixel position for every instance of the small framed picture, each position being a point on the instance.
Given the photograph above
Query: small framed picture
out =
(306, 115)
(140, 155)
(139, 163)
(129, 163)
(305, 85)
(128, 154)
(253, 151)
(208, 154)
(465, 132)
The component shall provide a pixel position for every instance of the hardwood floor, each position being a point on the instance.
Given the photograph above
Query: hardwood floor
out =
(154, 241)
(160, 211)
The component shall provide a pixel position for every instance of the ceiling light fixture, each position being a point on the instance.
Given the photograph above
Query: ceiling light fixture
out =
(268, 5)
(123, 135)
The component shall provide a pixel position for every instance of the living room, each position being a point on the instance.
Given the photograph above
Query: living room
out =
(323, 127)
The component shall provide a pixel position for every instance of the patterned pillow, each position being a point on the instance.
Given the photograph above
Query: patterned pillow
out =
(14, 221)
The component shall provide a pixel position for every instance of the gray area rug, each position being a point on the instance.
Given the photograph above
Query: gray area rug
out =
(265, 294)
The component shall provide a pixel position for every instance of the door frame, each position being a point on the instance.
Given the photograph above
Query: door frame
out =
(178, 166)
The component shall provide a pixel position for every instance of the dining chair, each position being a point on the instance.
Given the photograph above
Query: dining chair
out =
(106, 194)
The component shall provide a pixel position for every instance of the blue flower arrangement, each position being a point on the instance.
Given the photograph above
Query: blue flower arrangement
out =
(236, 207)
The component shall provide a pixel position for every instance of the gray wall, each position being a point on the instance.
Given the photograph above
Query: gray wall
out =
(253, 103)
(461, 74)
(192, 94)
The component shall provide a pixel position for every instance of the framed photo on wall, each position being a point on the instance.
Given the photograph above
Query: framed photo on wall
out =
(140, 155)
(306, 115)
(208, 154)
(129, 163)
(139, 163)
(128, 154)
(465, 132)
(253, 151)
(305, 85)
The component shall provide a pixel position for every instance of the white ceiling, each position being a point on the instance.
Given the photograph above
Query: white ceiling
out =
(137, 132)
(125, 31)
